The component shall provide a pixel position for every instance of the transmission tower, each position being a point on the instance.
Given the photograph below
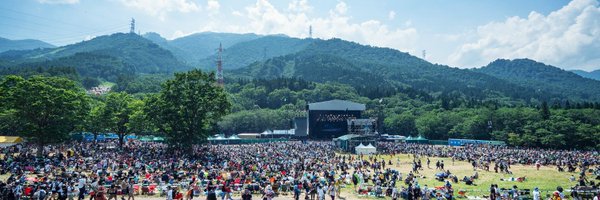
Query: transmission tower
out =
(132, 29)
(310, 31)
(424, 54)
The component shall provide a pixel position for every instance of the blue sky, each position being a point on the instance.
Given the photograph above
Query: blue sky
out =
(465, 33)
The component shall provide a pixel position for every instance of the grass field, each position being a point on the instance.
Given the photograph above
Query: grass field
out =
(107, 84)
(546, 179)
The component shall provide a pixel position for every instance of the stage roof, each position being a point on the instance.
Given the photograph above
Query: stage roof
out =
(336, 105)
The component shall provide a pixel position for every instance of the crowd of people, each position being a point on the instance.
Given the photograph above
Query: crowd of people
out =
(482, 156)
(308, 170)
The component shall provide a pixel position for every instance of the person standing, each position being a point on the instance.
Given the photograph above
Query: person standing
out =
(297, 191)
(492, 192)
(81, 187)
(536, 194)
(170, 193)
(131, 191)
(332, 191)
(320, 193)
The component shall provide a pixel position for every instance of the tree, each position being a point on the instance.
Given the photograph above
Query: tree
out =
(139, 122)
(545, 111)
(48, 108)
(187, 108)
(117, 112)
(89, 82)
(403, 124)
(95, 121)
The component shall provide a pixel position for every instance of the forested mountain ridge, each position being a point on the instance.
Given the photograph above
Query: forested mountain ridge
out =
(196, 47)
(373, 71)
(7, 44)
(245, 53)
(383, 71)
(141, 55)
(542, 77)
(593, 74)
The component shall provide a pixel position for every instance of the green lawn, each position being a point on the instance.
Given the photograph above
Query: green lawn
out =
(107, 84)
(546, 179)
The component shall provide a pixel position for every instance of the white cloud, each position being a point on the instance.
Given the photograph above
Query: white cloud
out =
(212, 6)
(299, 6)
(391, 15)
(237, 13)
(567, 38)
(341, 7)
(59, 1)
(160, 8)
(264, 18)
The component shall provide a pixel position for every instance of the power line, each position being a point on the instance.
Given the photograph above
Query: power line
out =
(46, 18)
(71, 36)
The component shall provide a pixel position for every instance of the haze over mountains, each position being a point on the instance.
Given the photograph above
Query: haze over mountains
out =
(248, 56)
(6, 44)
(593, 74)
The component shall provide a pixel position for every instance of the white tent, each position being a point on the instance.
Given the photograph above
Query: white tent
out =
(365, 150)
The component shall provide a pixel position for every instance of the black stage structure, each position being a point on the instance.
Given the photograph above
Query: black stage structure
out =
(329, 119)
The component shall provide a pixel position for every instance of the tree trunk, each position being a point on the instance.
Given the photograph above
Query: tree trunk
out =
(121, 138)
(40, 150)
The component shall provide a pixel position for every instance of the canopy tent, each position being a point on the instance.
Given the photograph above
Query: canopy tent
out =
(151, 139)
(418, 140)
(6, 141)
(365, 150)
(233, 137)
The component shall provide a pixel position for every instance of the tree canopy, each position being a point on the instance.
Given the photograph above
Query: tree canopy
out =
(46, 108)
(188, 107)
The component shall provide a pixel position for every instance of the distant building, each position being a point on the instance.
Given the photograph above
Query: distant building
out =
(100, 90)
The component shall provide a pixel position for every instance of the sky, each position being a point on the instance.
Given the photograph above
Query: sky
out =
(461, 33)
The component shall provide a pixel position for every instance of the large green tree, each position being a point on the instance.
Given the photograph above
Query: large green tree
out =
(48, 109)
(118, 113)
(139, 122)
(188, 107)
(95, 121)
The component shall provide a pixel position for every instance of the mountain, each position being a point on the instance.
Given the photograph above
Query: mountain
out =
(244, 53)
(320, 68)
(193, 48)
(544, 78)
(367, 67)
(180, 54)
(85, 65)
(6, 44)
(593, 74)
(135, 52)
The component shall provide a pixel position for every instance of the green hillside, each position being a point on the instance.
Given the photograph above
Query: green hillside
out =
(544, 78)
(371, 68)
(141, 54)
(244, 53)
